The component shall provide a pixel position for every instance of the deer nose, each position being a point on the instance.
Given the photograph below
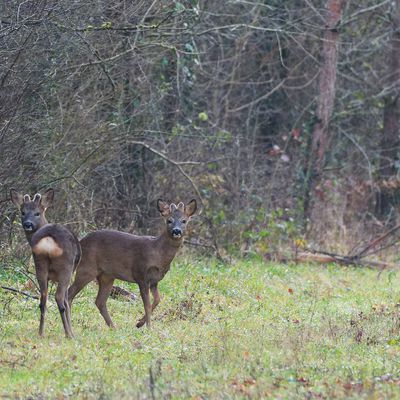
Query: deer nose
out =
(28, 226)
(176, 232)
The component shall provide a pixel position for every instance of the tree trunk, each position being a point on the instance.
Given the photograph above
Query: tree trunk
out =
(391, 121)
(326, 98)
(327, 81)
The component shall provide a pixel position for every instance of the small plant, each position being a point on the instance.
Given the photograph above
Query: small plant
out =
(275, 235)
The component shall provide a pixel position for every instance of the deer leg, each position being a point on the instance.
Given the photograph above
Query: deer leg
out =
(43, 284)
(156, 301)
(67, 306)
(156, 296)
(61, 294)
(68, 312)
(81, 280)
(105, 286)
(145, 294)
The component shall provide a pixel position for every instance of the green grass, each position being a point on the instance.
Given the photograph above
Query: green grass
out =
(245, 330)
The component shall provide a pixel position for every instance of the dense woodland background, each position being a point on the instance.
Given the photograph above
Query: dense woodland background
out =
(280, 117)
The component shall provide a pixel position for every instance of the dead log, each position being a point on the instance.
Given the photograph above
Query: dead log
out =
(343, 260)
(118, 292)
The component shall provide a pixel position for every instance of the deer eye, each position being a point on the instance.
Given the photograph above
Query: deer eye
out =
(37, 214)
(184, 221)
(22, 213)
(170, 220)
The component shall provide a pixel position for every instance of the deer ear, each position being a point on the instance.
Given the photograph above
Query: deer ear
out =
(16, 198)
(191, 208)
(47, 198)
(163, 207)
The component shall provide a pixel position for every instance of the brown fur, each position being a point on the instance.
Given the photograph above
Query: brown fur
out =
(108, 255)
(56, 252)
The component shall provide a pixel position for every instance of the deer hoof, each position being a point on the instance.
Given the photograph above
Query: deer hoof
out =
(140, 323)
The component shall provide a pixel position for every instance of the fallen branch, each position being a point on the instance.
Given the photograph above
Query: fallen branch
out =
(322, 258)
(117, 291)
(20, 292)
(376, 241)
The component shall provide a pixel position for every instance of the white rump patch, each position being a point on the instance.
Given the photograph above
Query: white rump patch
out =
(49, 246)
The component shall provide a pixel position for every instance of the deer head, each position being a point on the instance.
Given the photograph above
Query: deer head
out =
(32, 210)
(176, 216)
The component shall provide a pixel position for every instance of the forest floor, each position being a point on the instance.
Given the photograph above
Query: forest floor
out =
(248, 329)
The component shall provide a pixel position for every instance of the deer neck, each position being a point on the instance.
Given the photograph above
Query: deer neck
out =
(168, 247)
(29, 236)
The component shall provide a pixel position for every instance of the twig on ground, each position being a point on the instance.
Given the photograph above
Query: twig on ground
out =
(117, 291)
(20, 292)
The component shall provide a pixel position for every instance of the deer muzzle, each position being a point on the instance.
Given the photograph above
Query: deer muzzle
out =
(28, 226)
(176, 233)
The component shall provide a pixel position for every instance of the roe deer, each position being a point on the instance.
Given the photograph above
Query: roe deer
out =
(56, 252)
(109, 255)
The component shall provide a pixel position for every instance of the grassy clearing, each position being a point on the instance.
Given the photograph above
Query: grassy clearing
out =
(248, 329)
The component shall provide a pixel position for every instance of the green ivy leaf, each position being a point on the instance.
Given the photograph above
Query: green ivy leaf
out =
(203, 116)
